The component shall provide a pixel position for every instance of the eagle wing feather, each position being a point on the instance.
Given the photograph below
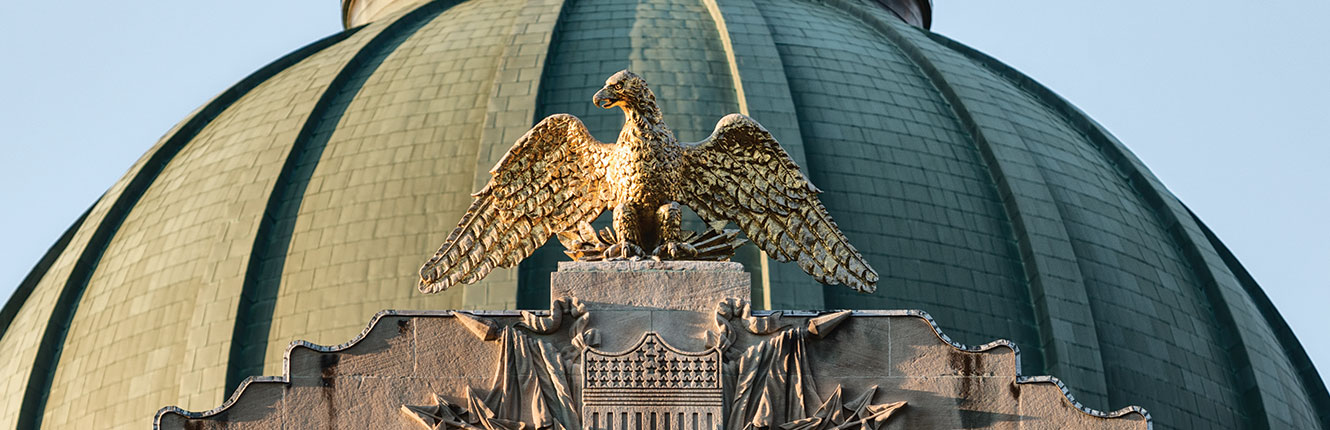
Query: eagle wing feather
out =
(741, 174)
(552, 179)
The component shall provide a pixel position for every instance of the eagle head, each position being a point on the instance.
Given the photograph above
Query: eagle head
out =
(624, 89)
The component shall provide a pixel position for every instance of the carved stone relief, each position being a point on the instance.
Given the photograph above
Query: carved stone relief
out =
(596, 365)
(652, 386)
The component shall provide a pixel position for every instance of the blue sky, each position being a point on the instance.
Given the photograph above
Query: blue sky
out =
(1227, 103)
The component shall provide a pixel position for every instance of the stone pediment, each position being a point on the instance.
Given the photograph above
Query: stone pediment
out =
(592, 365)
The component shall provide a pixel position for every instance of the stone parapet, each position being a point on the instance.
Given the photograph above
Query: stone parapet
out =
(683, 353)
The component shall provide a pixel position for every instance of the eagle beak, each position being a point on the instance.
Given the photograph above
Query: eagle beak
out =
(604, 99)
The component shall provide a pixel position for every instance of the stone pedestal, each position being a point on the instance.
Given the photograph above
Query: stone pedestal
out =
(652, 346)
(675, 299)
(666, 285)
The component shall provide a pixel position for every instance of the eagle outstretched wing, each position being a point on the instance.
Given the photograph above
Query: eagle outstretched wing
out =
(741, 174)
(552, 179)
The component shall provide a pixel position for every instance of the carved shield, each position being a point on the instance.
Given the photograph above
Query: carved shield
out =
(652, 386)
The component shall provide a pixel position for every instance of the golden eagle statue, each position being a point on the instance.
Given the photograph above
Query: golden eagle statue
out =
(558, 178)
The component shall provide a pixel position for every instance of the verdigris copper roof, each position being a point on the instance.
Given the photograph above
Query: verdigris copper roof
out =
(301, 201)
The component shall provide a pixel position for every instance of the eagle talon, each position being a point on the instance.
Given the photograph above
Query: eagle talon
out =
(674, 251)
(624, 250)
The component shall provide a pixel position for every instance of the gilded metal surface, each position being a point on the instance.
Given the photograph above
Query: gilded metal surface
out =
(557, 178)
(586, 244)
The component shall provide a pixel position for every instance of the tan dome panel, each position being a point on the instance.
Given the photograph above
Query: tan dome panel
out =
(390, 171)
(303, 200)
(153, 322)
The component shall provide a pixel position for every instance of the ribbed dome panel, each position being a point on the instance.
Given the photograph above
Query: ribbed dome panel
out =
(388, 171)
(1142, 293)
(901, 177)
(170, 272)
(301, 201)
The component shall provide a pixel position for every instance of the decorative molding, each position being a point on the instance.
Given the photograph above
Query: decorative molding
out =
(643, 373)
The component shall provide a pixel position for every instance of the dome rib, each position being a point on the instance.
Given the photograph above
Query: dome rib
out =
(53, 338)
(263, 275)
(755, 258)
(1225, 300)
(902, 175)
(511, 108)
(1027, 200)
(20, 295)
(1311, 380)
(727, 45)
(756, 64)
(510, 112)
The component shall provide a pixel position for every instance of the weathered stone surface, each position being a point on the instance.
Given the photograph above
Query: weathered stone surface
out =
(385, 351)
(671, 285)
(437, 345)
(916, 350)
(639, 359)
(261, 408)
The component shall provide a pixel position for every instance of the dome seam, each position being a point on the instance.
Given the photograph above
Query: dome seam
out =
(487, 152)
(1022, 208)
(53, 338)
(20, 295)
(263, 274)
(1312, 384)
(528, 295)
(1145, 186)
(978, 139)
(768, 105)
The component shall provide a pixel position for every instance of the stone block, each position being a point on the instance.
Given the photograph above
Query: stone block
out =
(664, 285)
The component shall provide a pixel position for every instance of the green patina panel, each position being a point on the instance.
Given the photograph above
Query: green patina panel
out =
(980, 196)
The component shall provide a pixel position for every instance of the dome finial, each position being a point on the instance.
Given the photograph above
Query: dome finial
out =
(918, 13)
(360, 12)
